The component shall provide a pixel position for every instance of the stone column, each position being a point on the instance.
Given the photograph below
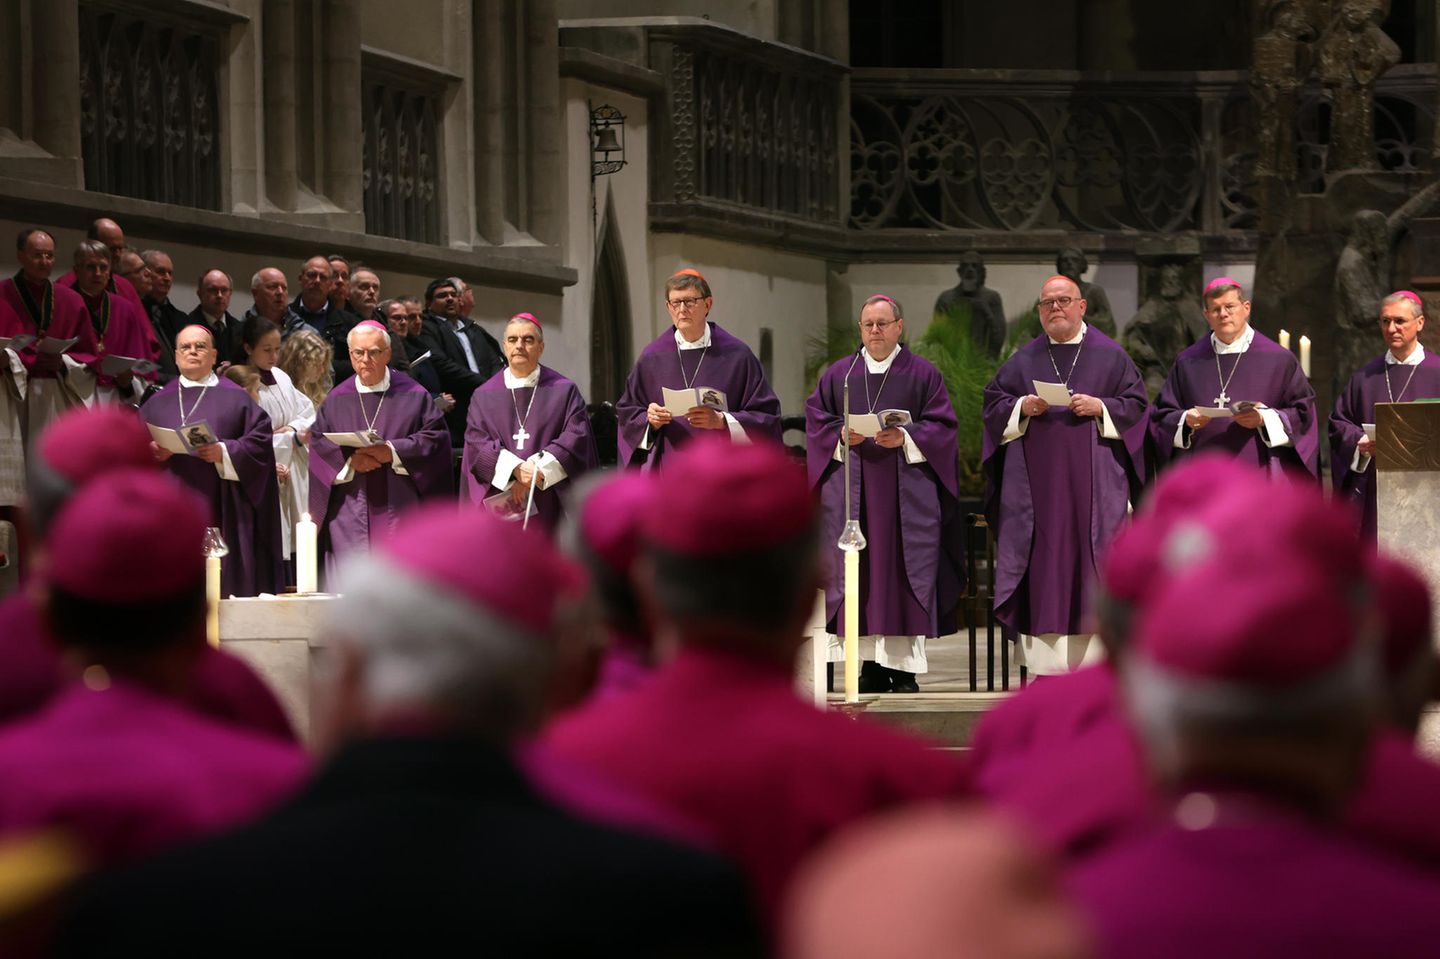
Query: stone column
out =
(545, 161)
(342, 165)
(489, 73)
(54, 103)
(281, 177)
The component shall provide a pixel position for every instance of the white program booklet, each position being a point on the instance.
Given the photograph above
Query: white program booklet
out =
(1215, 412)
(680, 402)
(53, 344)
(356, 440)
(185, 439)
(114, 365)
(1369, 429)
(869, 424)
(507, 509)
(1056, 394)
(17, 342)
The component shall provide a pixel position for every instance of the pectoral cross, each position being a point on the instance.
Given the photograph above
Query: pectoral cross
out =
(520, 436)
(1222, 400)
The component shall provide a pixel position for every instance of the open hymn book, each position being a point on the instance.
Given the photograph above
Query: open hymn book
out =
(358, 439)
(869, 424)
(185, 439)
(1223, 412)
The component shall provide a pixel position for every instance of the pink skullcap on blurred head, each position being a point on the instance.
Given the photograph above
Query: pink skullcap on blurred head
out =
(132, 536)
(1410, 295)
(1210, 489)
(719, 497)
(612, 516)
(372, 323)
(1403, 598)
(85, 441)
(527, 317)
(1220, 282)
(1272, 604)
(515, 574)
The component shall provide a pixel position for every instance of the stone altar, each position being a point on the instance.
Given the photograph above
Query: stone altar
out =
(280, 637)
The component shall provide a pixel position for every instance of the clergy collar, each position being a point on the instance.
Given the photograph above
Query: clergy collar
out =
(210, 380)
(1074, 339)
(514, 382)
(380, 387)
(699, 344)
(1416, 357)
(1240, 344)
(880, 366)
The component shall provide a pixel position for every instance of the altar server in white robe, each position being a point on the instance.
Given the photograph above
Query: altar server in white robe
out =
(292, 414)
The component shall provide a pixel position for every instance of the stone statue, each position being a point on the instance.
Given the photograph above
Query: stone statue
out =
(1353, 54)
(987, 313)
(1071, 262)
(1168, 321)
(1282, 60)
(1363, 277)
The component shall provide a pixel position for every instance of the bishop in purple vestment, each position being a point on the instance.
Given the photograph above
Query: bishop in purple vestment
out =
(1238, 364)
(357, 492)
(903, 482)
(1404, 374)
(1059, 479)
(526, 424)
(696, 354)
(235, 475)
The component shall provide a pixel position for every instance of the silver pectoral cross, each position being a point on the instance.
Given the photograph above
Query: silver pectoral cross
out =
(1222, 400)
(520, 436)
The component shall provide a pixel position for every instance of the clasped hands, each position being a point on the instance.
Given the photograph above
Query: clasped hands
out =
(1081, 404)
(370, 458)
(1250, 418)
(700, 417)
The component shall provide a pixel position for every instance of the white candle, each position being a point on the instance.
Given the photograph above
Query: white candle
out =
(212, 599)
(1305, 355)
(852, 626)
(1285, 339)
(307, 577)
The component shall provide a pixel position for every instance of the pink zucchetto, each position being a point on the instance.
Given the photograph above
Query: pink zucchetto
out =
(134, 536)
(744, 498)
(516, 575)
(85, 441)
(528, 318)
(1221, 282)
(1412, 296)
(612, 516)
(375, 324)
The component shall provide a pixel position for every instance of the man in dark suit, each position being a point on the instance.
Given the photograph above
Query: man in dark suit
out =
(464, 354)
(422, 834)
(213, 313)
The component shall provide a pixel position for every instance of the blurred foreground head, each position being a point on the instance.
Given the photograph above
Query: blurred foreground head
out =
(450, 625)
(931, 882)
(1256, 665)
(1403, 597)
(77, 446)
(731, 557)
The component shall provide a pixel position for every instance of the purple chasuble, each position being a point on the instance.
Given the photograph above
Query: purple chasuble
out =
(129, 772)
(68, 317)
(1355, 406)
(912, 570)
(1057, 495)
(1261, 882)
(1265, 373)
(727, 365)
(350, 514)
(556, 422)
(248, 510)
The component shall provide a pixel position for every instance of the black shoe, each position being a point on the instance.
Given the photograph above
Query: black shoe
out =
(874, 678)
(902, 682)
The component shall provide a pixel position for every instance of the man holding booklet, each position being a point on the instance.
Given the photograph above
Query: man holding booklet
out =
(1238, 391)
(1403, 374)
(379, 445)
(900, 429)
(1064, 456)
(213, 437)
(693, 377)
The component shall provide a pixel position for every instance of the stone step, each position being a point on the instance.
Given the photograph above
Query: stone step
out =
(947, 718)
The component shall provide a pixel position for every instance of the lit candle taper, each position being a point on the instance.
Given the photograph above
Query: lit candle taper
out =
(307, 576)
(1285, 339)
(1305, 355)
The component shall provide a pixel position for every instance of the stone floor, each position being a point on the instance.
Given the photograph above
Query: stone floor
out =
(949, 658)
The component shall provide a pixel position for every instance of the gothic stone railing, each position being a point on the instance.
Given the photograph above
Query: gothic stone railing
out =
(748, 128)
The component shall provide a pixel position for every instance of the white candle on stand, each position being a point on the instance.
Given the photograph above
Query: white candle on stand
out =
(212, 599)
(852, 626)
(1285, 339)
(1305, 355)
(307, 576)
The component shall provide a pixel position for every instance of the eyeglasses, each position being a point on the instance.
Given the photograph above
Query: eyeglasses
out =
(686, 304)
(877, 325)
(373, 354)
(1064, 302)
(1228, 309)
